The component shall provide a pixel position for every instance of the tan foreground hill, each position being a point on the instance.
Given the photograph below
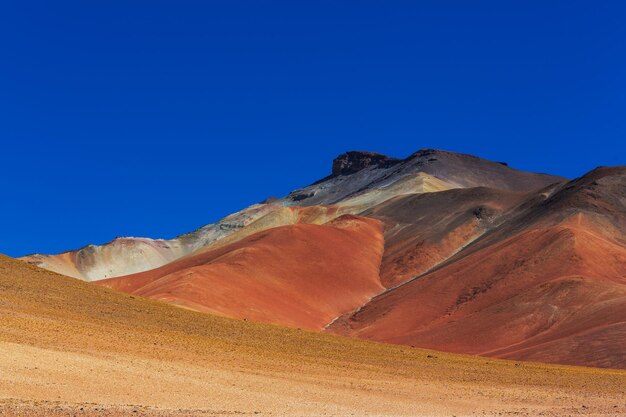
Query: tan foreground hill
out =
(71, 348)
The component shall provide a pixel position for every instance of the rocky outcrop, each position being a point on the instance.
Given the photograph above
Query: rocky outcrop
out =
(355, 161)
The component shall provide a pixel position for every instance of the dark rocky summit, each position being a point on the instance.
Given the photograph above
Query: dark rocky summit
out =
(355, 161)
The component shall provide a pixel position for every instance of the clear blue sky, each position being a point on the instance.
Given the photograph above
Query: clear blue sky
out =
(154, 118)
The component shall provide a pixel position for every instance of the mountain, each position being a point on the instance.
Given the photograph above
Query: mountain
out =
(71, 348)
(439, 250)
(358, 181)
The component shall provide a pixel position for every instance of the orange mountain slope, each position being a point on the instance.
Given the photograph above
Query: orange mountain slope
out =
(302, 275)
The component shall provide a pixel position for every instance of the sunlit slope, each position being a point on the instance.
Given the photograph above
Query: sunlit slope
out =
(128, 255)
(301, 275)
(68, 345)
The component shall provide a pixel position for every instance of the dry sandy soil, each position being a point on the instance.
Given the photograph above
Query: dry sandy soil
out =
(68, 348)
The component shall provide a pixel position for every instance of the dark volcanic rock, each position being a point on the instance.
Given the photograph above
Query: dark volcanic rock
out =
(354, 161)
(301, 196)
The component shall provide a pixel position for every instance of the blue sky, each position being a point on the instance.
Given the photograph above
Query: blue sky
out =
(155, 118)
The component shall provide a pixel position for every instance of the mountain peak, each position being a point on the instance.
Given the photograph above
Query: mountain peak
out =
(355, 161)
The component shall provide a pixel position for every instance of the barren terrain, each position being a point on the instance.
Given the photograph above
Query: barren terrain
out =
(71, 348)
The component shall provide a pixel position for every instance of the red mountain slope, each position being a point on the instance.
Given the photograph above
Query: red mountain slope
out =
(548, 284)
(302, 275)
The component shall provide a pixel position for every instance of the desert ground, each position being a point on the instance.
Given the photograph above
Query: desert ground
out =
(69, 348)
